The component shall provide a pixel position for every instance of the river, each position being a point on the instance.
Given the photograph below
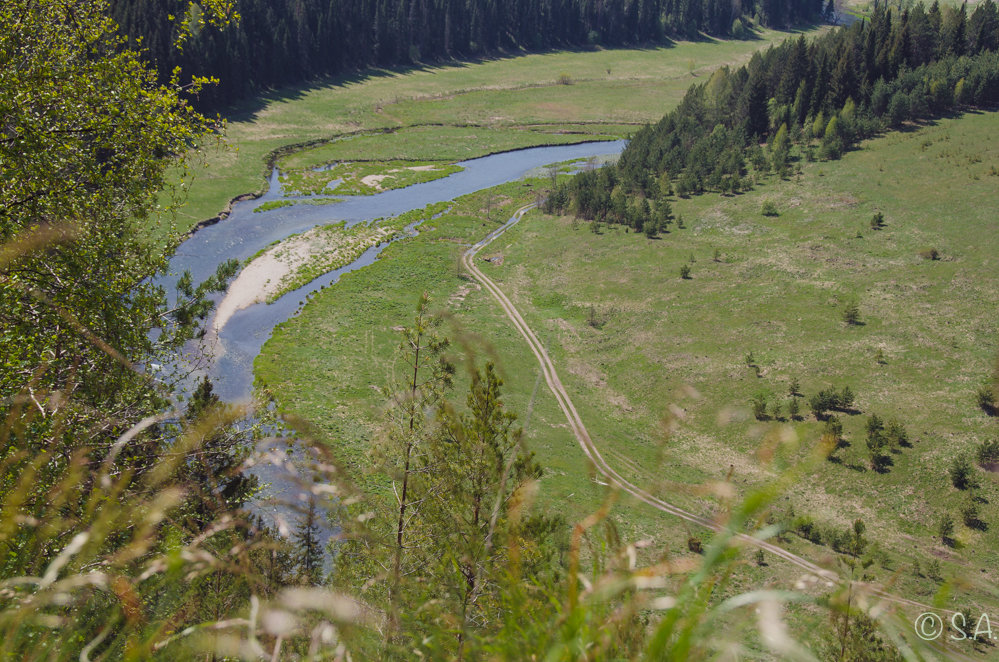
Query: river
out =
(243, 233)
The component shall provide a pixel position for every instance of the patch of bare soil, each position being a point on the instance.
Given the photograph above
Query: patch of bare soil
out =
(258, 280)
(461, 293)
(321, 249)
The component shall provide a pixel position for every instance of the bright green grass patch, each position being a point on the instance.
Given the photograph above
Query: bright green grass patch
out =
(613, 87)
(571, 167)
(363, 178)
(278, 204)
(449, 143)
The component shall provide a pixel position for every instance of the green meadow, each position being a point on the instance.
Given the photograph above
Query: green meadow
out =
(448, 143)
(278, 204)
(634, 334)
(455, 111)
(364, 178)
(657, 364)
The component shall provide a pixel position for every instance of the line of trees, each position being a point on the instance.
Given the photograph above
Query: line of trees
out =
(846, 85)
(281, 42)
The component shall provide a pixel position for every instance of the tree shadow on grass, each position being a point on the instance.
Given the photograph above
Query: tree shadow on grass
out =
(247, 108)
(977, 524)
(849, 411)
(884, 464)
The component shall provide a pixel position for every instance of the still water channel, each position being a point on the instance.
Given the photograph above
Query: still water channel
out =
(243, 233)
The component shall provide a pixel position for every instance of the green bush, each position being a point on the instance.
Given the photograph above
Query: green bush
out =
(988, 453)
(946, 529)
(986, 399)
(969, 514)
(759, 404)
(851, 313)
(829, 398)
(962, 473)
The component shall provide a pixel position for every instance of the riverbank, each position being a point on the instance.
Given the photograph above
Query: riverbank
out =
(458, 112)
(296, 261)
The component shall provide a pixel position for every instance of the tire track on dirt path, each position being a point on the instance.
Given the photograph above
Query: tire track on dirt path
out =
(591, 451)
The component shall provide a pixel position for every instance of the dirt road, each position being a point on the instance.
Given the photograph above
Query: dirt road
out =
(593, 453)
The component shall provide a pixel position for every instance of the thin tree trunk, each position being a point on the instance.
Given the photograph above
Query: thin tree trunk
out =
(401, 524)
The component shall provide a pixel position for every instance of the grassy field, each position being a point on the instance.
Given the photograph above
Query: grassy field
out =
(362, 316)
(778, 291)
(509, 103)
(448, 143)
(631, 338)
(329, 363)
(278, 204)
(363, 178)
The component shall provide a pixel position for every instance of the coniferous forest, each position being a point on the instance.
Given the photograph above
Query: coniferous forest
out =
(848, 85)
(281, 42)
